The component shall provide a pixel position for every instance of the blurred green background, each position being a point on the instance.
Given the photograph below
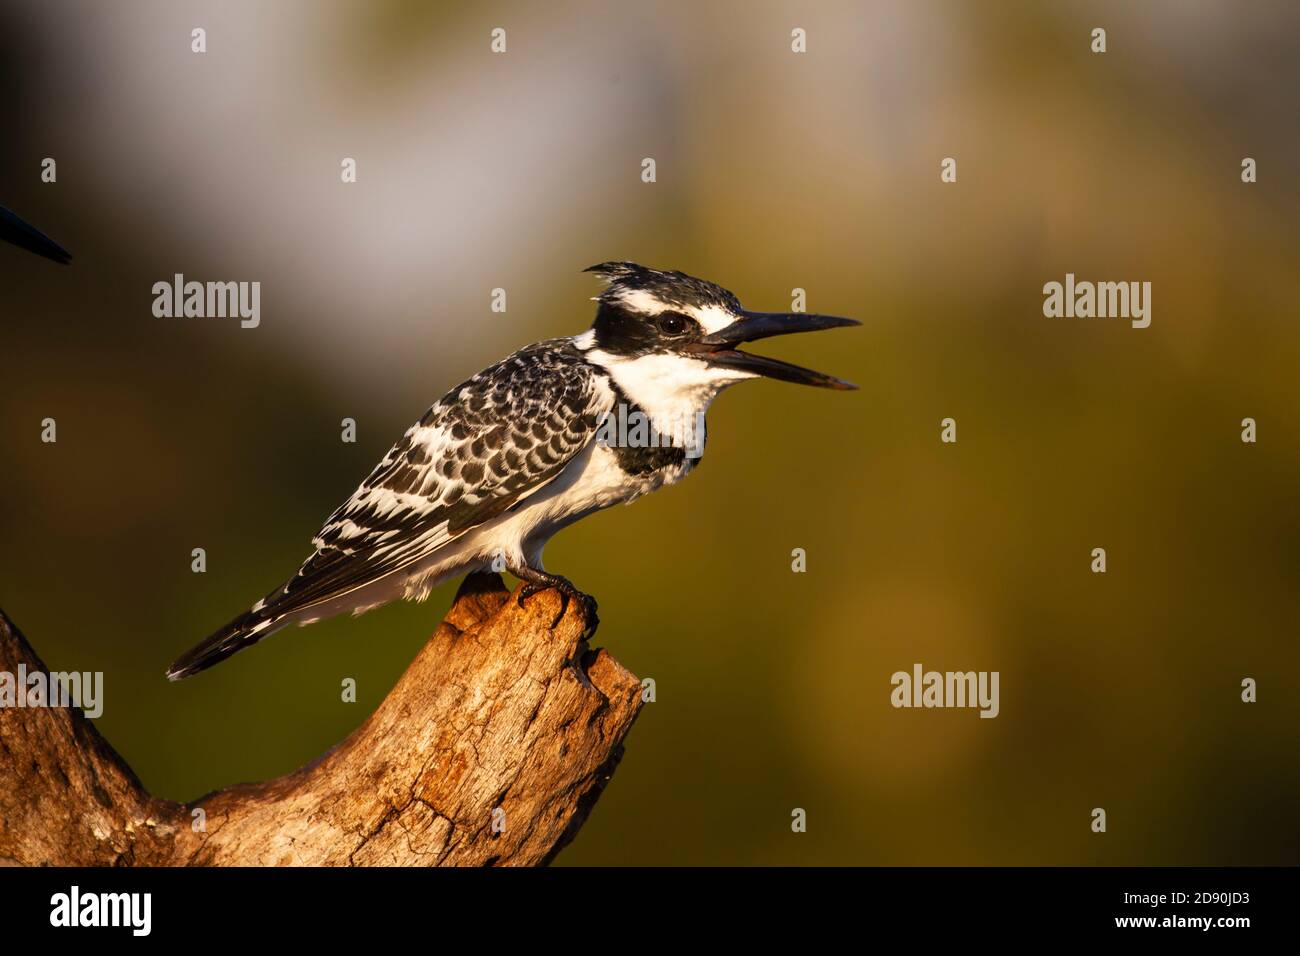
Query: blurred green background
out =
(775, 171)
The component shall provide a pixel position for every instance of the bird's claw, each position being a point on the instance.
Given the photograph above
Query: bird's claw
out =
(567, 590)
(527, 591)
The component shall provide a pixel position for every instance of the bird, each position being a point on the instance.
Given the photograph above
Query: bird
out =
(26, 236)
(526, 447)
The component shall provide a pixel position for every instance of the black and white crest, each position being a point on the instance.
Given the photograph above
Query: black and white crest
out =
(646, 310)
(672, 289)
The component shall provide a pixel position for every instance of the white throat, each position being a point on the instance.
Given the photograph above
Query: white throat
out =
(667, 387)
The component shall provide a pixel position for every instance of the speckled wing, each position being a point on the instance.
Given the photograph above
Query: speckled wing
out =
(482, 449)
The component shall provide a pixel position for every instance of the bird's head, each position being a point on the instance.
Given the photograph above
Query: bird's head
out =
(670, 319)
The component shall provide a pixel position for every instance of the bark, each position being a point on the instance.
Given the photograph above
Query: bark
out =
(490, 750)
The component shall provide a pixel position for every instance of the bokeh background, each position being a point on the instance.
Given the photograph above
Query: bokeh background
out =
(775, 171)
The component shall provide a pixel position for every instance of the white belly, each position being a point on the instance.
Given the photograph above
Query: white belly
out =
(591, 481)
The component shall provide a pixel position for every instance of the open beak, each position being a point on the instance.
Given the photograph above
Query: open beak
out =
(720, 348)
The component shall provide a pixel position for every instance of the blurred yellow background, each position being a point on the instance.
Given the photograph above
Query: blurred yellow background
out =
(775, 170)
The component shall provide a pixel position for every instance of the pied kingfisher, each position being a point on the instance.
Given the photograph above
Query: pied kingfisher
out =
(503, 461)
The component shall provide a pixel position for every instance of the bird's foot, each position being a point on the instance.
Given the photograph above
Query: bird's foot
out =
(535, 581)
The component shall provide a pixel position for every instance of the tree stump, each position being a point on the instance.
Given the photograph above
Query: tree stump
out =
(491, 749)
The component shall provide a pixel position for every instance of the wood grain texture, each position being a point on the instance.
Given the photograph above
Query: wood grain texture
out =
(491, 749)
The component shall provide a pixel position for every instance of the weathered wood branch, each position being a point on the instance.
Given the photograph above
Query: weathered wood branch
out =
(491, 749)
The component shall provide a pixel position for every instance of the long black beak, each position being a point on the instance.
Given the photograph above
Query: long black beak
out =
(13, 229)
(719, 348)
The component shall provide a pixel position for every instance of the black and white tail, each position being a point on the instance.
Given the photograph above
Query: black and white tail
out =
(244, 631)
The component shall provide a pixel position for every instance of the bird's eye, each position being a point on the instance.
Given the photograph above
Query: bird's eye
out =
(670, 323)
